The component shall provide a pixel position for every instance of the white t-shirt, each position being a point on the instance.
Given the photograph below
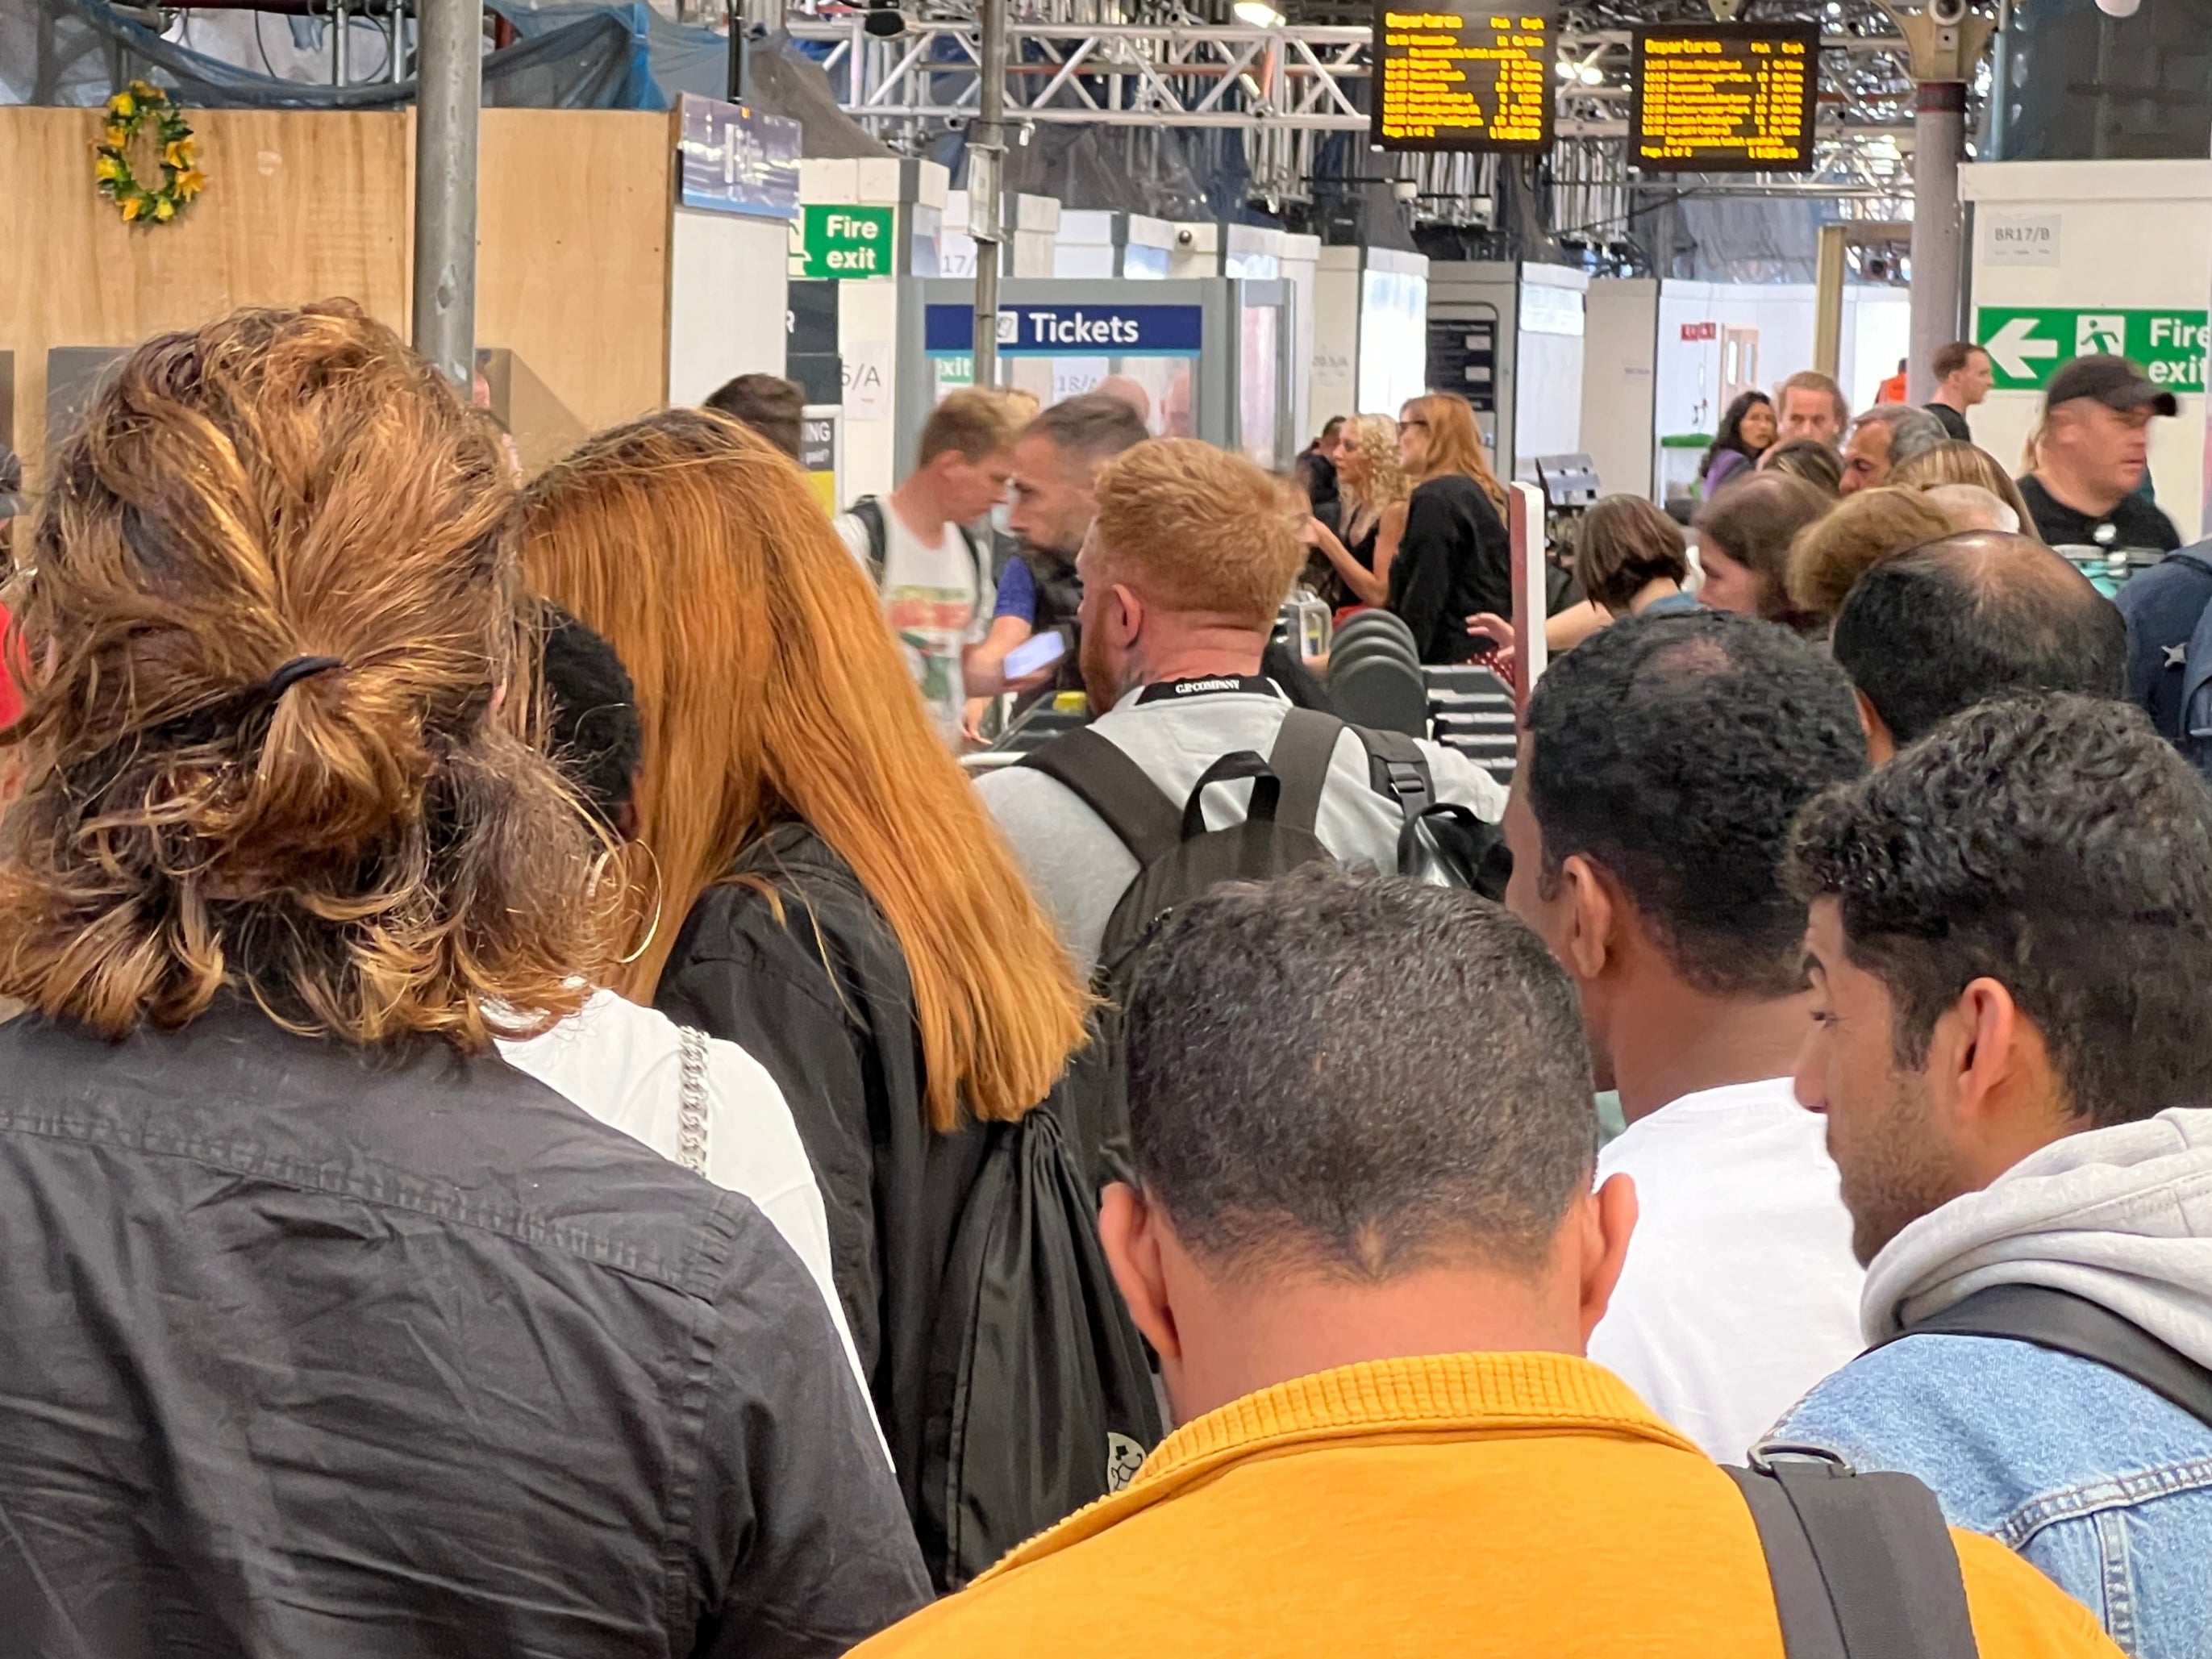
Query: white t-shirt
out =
(1741, 1291)
(938, 603)
(623, 1064)
(1078, 869)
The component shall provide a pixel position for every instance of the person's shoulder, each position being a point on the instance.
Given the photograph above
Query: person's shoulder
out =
(2149, 520)
(1461, 783)
(2018, 1614)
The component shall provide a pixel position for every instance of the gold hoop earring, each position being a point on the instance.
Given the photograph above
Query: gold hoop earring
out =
(651, 927)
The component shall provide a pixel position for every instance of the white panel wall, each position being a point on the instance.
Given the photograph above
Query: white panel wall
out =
(725, 300)
(2131, 235)
(1619, 341)
(1333, 387)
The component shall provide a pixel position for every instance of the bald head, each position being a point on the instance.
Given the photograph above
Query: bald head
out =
(1967, 618)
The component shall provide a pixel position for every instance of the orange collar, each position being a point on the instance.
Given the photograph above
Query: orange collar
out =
(1451, 1396)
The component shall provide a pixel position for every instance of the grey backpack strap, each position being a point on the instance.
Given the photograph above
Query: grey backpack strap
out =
(870, 511)
(1304, 750)
(1397, 768)
(1116, 787)
(1862, 1565)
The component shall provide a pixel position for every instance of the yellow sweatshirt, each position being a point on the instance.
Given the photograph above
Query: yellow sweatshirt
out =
(1458, 1506)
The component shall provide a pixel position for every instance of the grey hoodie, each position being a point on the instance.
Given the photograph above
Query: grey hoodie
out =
(2122, 1217)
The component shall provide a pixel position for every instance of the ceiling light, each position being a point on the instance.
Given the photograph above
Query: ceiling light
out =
(1590, 75)
(1566, 71)
(1258, 14)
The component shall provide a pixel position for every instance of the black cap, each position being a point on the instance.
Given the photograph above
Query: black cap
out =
(2112, 381)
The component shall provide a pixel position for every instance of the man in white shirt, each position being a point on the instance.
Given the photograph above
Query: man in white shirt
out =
(1662, 764)
(1192, 551)
(934, 573)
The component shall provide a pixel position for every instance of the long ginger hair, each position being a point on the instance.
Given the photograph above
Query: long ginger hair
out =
(771, 690)
(1455, 443)
(273, 588)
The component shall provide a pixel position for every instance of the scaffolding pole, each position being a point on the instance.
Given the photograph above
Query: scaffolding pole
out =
(449, 88)
(987, 155)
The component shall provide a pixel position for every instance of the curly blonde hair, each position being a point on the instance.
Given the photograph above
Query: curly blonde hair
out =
(274, 593)
(1376, 438)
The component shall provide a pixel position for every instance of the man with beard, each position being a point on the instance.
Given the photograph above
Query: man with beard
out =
(1057, 462)
(2010, 938)
(1190, 554)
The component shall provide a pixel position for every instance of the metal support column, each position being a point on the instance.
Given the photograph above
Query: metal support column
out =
(1828, 265)
(987, 155)
(1945, 41)
(1939, 128)
(449, 88)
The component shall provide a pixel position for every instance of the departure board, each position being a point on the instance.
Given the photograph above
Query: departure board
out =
(1725, 97)
(1462, 80)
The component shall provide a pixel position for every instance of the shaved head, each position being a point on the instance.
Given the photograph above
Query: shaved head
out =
(1970, 617)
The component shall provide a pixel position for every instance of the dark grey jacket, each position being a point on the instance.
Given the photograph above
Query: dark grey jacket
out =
(304, 1352)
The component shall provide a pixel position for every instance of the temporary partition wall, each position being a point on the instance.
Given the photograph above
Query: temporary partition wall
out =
(1508, 337)
(1371, 310)
(2071, 257)
(1619, 349)
(856, 319)
(306, 205)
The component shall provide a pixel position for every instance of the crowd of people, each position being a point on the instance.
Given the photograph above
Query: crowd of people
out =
(550, 1115)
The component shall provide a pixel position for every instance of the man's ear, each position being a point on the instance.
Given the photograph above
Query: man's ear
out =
(1594, 912)
(1992, 1078)
(1125, 615)
(1129, 1229)
(1880, 745)
(1608, 1223)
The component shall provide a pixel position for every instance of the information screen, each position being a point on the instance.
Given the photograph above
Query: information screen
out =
(1462, 80)
(1725, 97)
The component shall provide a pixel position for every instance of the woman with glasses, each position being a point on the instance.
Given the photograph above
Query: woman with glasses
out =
(1454, 559)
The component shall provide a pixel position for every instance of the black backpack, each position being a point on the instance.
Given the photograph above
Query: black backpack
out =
(1040, 1395)
(869, 510)
(1178, 858)
(1863, 1566)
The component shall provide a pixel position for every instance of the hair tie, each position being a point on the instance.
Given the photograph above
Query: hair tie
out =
(300, 668)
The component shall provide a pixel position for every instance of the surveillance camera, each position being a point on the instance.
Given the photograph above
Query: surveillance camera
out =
(2119, 8)
(1947, 13)
(1184, 239)
(1405, 190)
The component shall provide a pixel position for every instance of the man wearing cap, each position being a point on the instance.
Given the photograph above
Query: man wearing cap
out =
(2094, 449)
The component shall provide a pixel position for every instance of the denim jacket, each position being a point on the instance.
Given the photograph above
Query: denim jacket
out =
(2101, 1483)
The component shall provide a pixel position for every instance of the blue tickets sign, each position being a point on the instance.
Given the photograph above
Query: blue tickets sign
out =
(738, 160)
(1070, 330)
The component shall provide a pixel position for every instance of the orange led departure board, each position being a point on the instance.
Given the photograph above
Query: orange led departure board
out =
(1461, 80)
(1725, 97)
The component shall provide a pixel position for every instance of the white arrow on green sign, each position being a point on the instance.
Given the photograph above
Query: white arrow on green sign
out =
(2028, 343)
(844, 242)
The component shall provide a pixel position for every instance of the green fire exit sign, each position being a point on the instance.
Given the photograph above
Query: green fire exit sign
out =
(845, 242)
(2028, 344)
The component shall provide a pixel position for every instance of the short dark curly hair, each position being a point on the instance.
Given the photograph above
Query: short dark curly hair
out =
(1359, 1075)
(2058, 846)
(1675, 750)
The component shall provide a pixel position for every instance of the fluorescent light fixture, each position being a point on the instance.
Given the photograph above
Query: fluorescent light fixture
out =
(1567, 69)
(1258, 14)
(1590, 74)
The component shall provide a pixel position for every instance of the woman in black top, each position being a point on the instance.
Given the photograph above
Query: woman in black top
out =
(1375, 489)
(1456, 558)
(836, 899)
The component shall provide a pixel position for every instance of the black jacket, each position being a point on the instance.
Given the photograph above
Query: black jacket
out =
(822, 998)
(307, 1351)
(1456, 559)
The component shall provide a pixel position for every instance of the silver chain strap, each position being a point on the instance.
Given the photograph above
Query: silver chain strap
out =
(691, 1110)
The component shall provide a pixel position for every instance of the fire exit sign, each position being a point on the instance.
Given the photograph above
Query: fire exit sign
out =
(844, 242)
(2028, 344)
